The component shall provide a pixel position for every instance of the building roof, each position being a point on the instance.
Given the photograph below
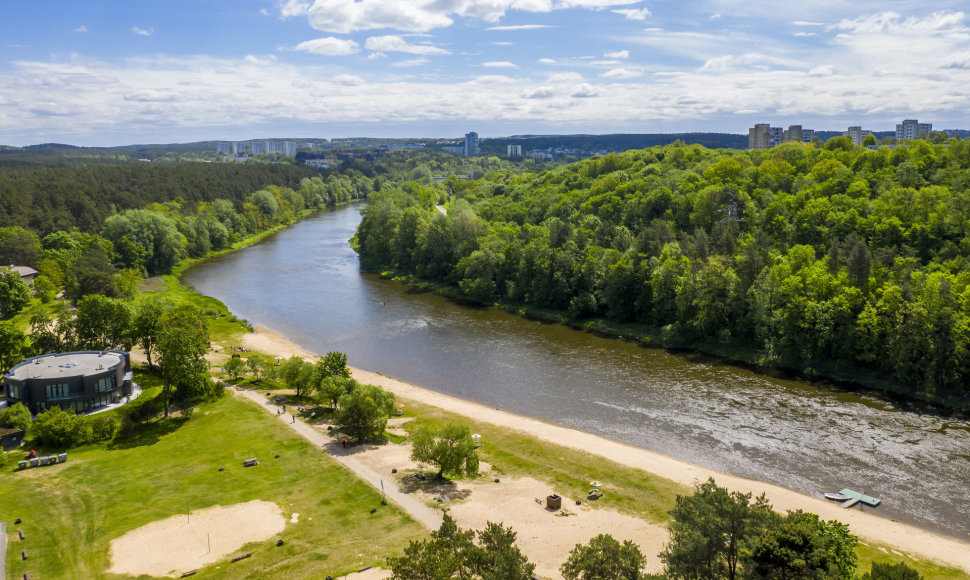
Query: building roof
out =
(69, 364)
(24, 271)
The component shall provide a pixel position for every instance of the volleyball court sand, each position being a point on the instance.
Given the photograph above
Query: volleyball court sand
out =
(189, 541)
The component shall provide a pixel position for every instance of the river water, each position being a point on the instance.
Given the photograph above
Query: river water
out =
(305, 282)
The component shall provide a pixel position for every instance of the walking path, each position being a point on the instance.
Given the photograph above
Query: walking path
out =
(3, 549)
(415, 507)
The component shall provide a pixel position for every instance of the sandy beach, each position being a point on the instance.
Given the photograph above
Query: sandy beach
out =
(870, 528)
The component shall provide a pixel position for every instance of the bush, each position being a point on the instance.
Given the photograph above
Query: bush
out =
(56, 427)
(103, 427)
(17, 417)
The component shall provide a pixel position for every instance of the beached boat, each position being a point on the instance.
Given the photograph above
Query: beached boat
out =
(866, 499)
(837, 496)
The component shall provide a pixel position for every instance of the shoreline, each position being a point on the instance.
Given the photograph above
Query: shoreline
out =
(868, 527)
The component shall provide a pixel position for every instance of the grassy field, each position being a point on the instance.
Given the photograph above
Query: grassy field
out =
(71, 512)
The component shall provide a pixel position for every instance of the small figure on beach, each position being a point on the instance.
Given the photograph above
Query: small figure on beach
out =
(344, 443)
(294, 418)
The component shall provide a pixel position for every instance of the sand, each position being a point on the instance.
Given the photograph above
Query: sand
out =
(186, 542)
(870, 528)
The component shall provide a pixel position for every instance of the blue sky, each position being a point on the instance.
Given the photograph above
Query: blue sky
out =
(145, 71)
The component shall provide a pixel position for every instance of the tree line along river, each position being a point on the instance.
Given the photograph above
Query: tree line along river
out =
(306, 283)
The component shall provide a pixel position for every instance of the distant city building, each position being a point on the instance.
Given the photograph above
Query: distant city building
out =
(223, 147)
(471, 144)
(764, 136)
(458, 150)
(238, 148)
(289, 148)
(857, 134)
(513, 150)
(912, 129)
(257, 147)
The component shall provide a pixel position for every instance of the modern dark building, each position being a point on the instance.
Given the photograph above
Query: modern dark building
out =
(79, 381)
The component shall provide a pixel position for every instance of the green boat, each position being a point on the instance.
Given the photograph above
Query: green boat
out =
(866, 499)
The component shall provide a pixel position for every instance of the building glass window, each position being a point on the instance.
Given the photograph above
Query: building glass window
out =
(57, 391)
(13, 391)
(104, 385)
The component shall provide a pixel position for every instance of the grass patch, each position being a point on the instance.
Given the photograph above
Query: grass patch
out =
(869, 553)
(71, 512)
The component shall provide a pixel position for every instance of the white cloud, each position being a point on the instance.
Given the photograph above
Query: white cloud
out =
(547, 60)
(503, 43)
(584, 91)
(807, 23)
(634, 14)
(804, 34)
(143, 31)
(346, 16)
(957, 61)
(748, 60)
(376, 55)
(716, 16)
(329, 46)
(520, 27)
(348, 80)
(81, 28)
(393, 43)
(263, 12)
(539, 93)
(622, 73)
(500, 64)
(412, 62)
(259, 61)
(617, 54)
(822, 70)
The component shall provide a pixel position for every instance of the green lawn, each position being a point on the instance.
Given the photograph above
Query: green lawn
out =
(71, 512)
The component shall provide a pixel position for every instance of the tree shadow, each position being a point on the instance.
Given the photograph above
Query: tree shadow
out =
(148, 433)
(425, 483)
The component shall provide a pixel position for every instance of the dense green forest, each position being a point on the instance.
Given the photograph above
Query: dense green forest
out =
(816, 256)
(51, 196)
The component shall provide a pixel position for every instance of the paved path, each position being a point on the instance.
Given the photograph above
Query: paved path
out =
(3, 549)
(418, 509)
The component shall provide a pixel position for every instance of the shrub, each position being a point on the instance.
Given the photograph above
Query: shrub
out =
(103, 427)
(17, 416)
(56, 427)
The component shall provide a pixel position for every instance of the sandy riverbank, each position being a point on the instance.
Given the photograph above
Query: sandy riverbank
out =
(871, 528)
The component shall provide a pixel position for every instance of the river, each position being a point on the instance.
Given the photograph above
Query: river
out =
(306, 283)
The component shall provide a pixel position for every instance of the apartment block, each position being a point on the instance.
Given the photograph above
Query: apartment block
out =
(912, 129)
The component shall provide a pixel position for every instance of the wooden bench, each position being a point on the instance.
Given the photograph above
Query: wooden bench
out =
(242, 556)
(250, 462)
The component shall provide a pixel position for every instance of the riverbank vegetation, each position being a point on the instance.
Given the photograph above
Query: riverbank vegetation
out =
(830, 260)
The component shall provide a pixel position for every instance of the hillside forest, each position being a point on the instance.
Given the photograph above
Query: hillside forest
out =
(811, 256)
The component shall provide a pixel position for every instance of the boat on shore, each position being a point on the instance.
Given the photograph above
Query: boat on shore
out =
(837, 496)
(860, 497)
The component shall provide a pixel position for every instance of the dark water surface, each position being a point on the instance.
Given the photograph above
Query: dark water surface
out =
(305, 282)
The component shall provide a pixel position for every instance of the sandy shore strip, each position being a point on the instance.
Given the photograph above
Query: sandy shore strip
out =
(190, 541)
(870, 528)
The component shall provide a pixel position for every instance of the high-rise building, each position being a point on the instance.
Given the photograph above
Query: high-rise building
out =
(513, 150)
(257, 147)
(471, 144)
(289, 148)
(758, 136)
(222, 147)
(764, 136)
(857, 134)
(238, 148)
(912, 129)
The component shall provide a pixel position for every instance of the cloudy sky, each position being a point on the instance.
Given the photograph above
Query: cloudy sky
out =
(147, 71)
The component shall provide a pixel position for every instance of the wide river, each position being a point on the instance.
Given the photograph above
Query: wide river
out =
(306, 283)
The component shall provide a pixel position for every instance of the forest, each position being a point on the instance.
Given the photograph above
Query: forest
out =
(54, 193)
(813, 256)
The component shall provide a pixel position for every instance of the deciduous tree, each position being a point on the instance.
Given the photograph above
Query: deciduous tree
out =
(451, 450)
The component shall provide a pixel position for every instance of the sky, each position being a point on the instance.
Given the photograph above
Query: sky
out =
(118, 72)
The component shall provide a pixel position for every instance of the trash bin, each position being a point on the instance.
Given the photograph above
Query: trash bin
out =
(553, 502)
